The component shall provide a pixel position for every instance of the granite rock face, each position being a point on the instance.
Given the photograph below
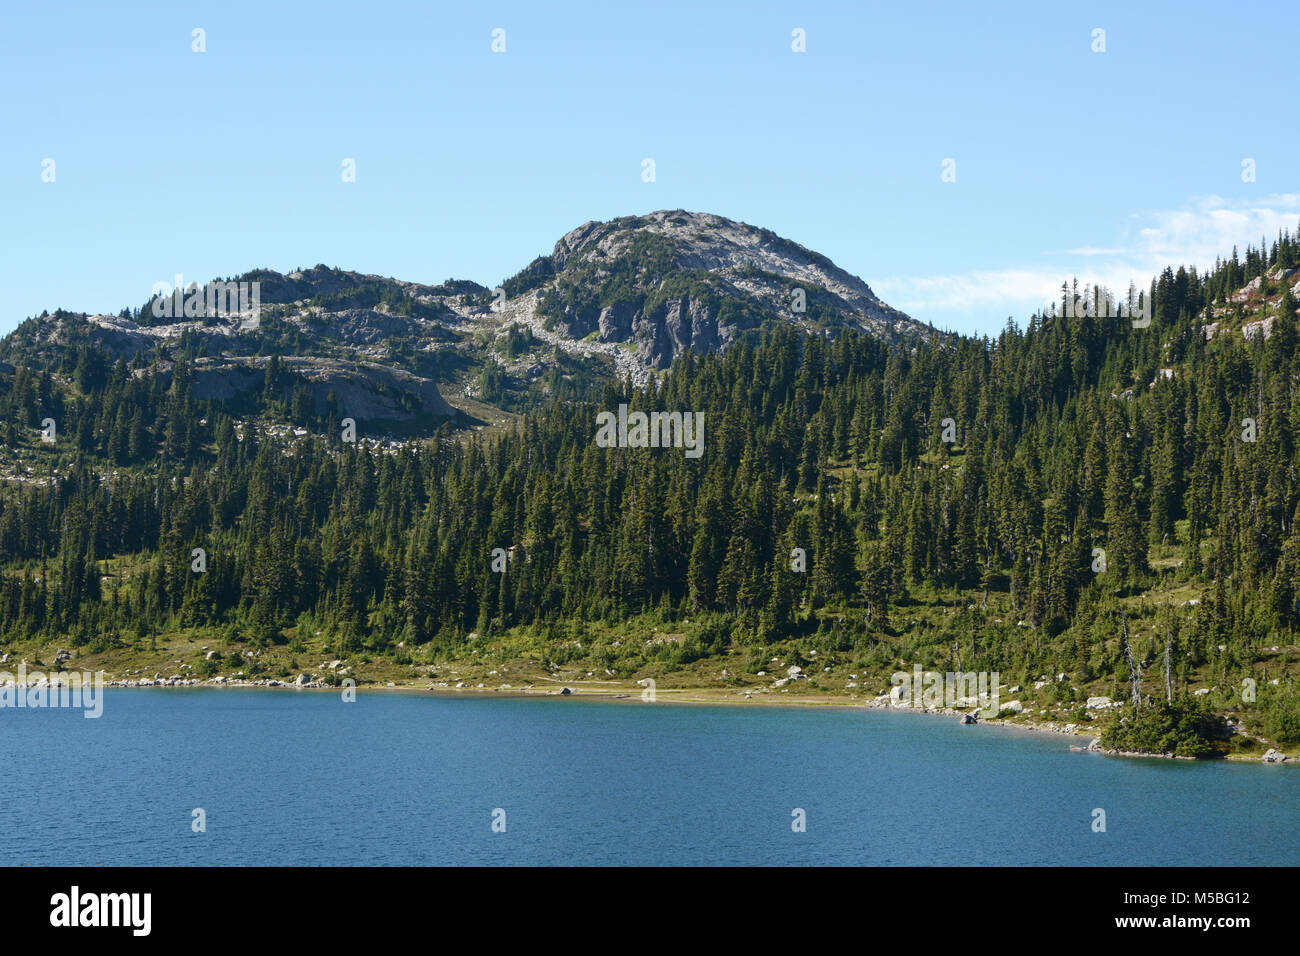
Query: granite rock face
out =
(625, 297)
(675, 280)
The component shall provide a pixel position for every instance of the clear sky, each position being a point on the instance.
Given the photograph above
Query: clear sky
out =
(469, 163)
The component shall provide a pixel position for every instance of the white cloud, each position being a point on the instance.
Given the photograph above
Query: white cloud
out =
(1094, 251)
(970, 289)
(1208, 227)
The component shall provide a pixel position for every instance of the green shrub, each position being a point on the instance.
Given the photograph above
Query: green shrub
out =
(1182, 728)
(1282, 717)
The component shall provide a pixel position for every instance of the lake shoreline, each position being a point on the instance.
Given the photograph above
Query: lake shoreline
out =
(692, 696)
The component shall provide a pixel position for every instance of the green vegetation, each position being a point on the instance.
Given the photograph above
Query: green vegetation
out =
(532, 276)
(952, 501)
(1180, 728)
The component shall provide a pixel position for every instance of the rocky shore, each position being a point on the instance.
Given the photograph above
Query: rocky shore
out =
(968, 716)
(885, 701)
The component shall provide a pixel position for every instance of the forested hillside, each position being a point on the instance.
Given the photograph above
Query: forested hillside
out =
(1017, 504)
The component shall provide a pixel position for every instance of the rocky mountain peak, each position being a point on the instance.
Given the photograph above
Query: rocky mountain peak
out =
(622, 298)
(674, 280)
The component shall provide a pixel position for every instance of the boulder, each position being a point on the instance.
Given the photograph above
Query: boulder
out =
(1262, 327)
(1273, 755)
(1252, 286)
(564, 692)
(1011, 707)
(1098, 703)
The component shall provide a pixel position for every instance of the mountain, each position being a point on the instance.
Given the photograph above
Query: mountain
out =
(1100, 507)
(673, 281)
(616, 299)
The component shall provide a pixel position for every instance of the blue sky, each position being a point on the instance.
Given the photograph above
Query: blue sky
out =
(469, 163)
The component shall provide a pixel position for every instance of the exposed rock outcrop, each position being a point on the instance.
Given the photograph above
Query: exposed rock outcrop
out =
(675, 280)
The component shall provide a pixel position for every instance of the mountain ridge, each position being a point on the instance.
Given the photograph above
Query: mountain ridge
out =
(1072, 504)
(633, 294)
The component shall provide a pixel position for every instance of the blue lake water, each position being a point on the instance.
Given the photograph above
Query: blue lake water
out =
(303, 778)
